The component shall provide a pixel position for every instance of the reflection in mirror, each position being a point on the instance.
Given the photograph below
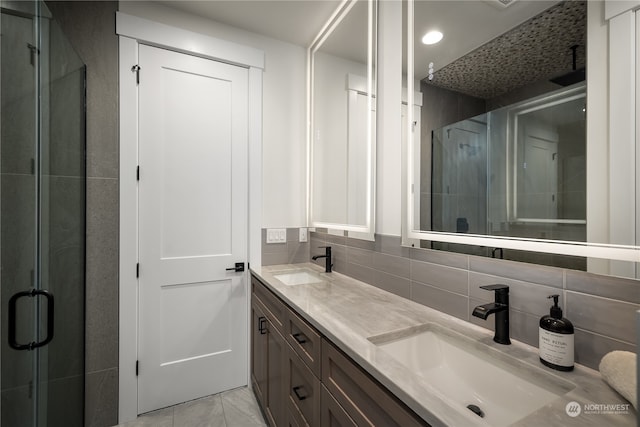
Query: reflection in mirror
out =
(535, 153)
(500, 151)
(342, 107)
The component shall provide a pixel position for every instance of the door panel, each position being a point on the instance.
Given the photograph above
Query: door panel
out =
(196, 152)
(193, 226)
(201, 299)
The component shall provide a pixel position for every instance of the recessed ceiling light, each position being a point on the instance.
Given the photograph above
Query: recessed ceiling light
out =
(432, 37)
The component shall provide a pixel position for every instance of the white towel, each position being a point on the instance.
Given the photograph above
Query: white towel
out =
(618, 369)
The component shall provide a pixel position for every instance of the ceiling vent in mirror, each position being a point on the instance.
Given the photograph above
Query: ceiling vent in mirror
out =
(502, 4)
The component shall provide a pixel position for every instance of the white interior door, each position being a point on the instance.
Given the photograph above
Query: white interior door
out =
(192, 227)
(538, 181)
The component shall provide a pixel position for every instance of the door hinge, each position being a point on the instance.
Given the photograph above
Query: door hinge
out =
(137, 367)
(34, 51)
(136, 69)
(138, 173)
(138, 269)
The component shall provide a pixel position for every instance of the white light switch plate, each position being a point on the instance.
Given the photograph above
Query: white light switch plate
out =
(302, 236)
(276, 235)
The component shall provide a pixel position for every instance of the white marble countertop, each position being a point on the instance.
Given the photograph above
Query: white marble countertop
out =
(348, 312)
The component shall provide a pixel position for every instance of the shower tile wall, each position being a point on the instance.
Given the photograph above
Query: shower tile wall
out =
(451, 107)
(90, 27)
(602, 308)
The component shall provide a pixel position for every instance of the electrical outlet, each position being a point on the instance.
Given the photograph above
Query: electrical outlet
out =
(276, 235)
(302, 236)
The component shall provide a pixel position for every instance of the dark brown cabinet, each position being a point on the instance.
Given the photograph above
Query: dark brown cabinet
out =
(304, 340)
(302, 380)
(331, 413)
(366, 401)
(276, 378)
(303, 391)
(268, 361)
(258, 351)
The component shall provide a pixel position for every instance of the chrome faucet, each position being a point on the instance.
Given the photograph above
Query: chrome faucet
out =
(327, 255)
(501, 309)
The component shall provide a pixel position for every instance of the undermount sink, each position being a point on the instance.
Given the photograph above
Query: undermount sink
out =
(497, 390)
(298, 277)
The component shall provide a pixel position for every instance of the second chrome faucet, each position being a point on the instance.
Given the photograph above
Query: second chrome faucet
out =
(501, 309)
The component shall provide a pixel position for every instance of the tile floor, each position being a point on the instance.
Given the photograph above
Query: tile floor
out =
(233, 408)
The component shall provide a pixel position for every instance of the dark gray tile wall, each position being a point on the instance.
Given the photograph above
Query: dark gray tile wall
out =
(90, 27)
(601, 308)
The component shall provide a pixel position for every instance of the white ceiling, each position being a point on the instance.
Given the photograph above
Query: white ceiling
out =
(293, 21)
(466, 24)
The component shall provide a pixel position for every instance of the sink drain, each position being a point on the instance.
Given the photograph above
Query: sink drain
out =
(476, 410)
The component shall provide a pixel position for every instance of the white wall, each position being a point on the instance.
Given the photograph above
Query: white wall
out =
(331, 179)
(284, 110)
(389, 132)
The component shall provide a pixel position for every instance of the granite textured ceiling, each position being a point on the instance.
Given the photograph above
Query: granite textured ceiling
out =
(539, 49)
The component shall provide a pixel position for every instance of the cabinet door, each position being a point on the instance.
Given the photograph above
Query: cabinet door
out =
(275, 309)
(366, 401)
(303, 391)
(331, 413)
(276, 376)
(258, 351)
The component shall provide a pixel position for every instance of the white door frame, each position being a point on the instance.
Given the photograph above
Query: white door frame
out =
(133, 31)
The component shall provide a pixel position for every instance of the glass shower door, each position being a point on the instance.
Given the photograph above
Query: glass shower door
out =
(18, 211)
(42, 219)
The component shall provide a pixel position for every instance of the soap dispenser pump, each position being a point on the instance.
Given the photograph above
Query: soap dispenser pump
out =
(556, 339)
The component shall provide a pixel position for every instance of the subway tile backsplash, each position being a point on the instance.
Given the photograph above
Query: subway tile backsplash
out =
(601, 308)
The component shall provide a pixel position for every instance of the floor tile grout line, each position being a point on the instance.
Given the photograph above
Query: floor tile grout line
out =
(224, 413)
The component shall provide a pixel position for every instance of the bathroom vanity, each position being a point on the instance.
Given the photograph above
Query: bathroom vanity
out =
(328, 350)
(301, 379)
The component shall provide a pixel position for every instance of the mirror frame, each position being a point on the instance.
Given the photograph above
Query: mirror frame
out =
(362, 231)
(411, 236)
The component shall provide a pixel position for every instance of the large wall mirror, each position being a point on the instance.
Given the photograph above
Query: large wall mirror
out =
(341, 138)
(497, 151)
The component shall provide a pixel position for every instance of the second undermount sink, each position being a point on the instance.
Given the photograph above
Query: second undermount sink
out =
(298, 277)
(498, 391)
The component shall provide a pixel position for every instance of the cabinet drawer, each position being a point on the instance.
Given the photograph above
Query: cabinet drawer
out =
(304, 340)
(331, 413)
(276, 311)
(366, 401)
(303, 392)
